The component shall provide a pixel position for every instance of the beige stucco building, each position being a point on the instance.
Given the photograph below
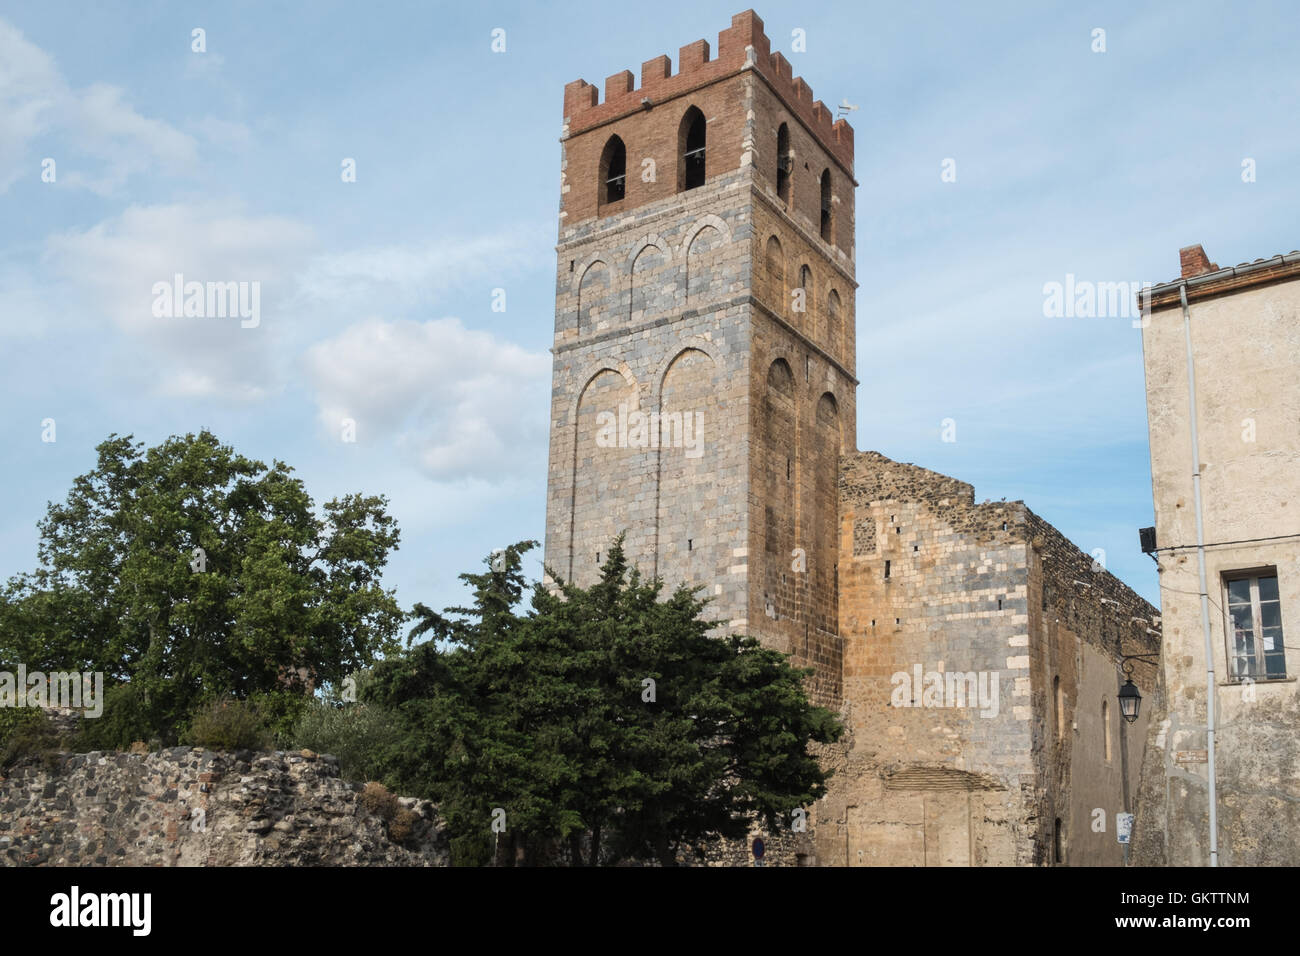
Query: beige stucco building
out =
(1238, 329)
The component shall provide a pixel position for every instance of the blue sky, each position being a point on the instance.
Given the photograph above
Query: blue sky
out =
(376, 294)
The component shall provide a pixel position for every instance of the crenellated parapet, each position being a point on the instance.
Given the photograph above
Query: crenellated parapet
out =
(743, 46)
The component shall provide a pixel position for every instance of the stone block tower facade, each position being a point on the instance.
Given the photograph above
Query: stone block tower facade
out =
(703, 386)
(703, 404)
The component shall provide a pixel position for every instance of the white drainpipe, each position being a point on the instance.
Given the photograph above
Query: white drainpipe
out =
(1210, 689)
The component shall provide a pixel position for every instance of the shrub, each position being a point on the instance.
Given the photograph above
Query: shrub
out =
(280, 711)
(377, 801)
(229, 725)
(357, 733)
(123, 721)
(27, 734)
(399, 822)
(402, 827)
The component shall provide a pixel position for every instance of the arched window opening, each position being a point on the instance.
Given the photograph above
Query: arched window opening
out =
(826, 205)
(613, 171)
(693, 136)
(1105, 726)
(784, 163)
(1058, 702)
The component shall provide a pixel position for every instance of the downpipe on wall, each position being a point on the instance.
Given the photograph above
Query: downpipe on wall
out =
(1210, 689)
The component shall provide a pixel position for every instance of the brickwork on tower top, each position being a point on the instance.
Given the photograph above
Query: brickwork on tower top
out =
(584, 111)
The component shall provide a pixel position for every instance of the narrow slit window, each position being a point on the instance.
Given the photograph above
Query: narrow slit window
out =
(827, 232)
(1105, 727)
(784, 163)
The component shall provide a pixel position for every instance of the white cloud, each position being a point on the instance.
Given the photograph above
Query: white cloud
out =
(107, 274)
(406, 275)
(223, 134)
(30, 89)
(115, 265)
(37, 103)
(461, 403)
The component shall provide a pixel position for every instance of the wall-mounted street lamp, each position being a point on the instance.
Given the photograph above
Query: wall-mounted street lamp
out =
(1130, 700)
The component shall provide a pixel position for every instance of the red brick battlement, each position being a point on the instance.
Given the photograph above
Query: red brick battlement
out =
(583, 109)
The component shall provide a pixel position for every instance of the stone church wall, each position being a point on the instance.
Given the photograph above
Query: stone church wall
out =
(931, 581)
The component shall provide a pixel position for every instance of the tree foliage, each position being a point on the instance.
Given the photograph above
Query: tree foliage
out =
(606, 721)
(194, 573)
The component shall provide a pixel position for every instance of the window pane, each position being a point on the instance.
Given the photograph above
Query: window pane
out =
(1239, 592)
(1243, 653)
(1272, 639)
(1275, 665)
(1243, 619)
(1270, 613)
(1268, 588)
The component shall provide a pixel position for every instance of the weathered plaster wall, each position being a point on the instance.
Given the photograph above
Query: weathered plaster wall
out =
(1247, 350)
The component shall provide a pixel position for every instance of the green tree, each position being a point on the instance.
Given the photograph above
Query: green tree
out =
(193, 573)
(606, 719)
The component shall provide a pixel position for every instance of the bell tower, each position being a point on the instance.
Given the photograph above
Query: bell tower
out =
(703, 383)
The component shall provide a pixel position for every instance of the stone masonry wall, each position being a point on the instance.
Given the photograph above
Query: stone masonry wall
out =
(931, 580)
(195, 807)
(1081, 620)
(681, 355)
(671, 301)
(941, 588)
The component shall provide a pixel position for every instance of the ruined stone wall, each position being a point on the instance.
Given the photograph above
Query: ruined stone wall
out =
(1081, 619)
(928, 781)
(930, 580)
(780, 849)
(195, 807)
